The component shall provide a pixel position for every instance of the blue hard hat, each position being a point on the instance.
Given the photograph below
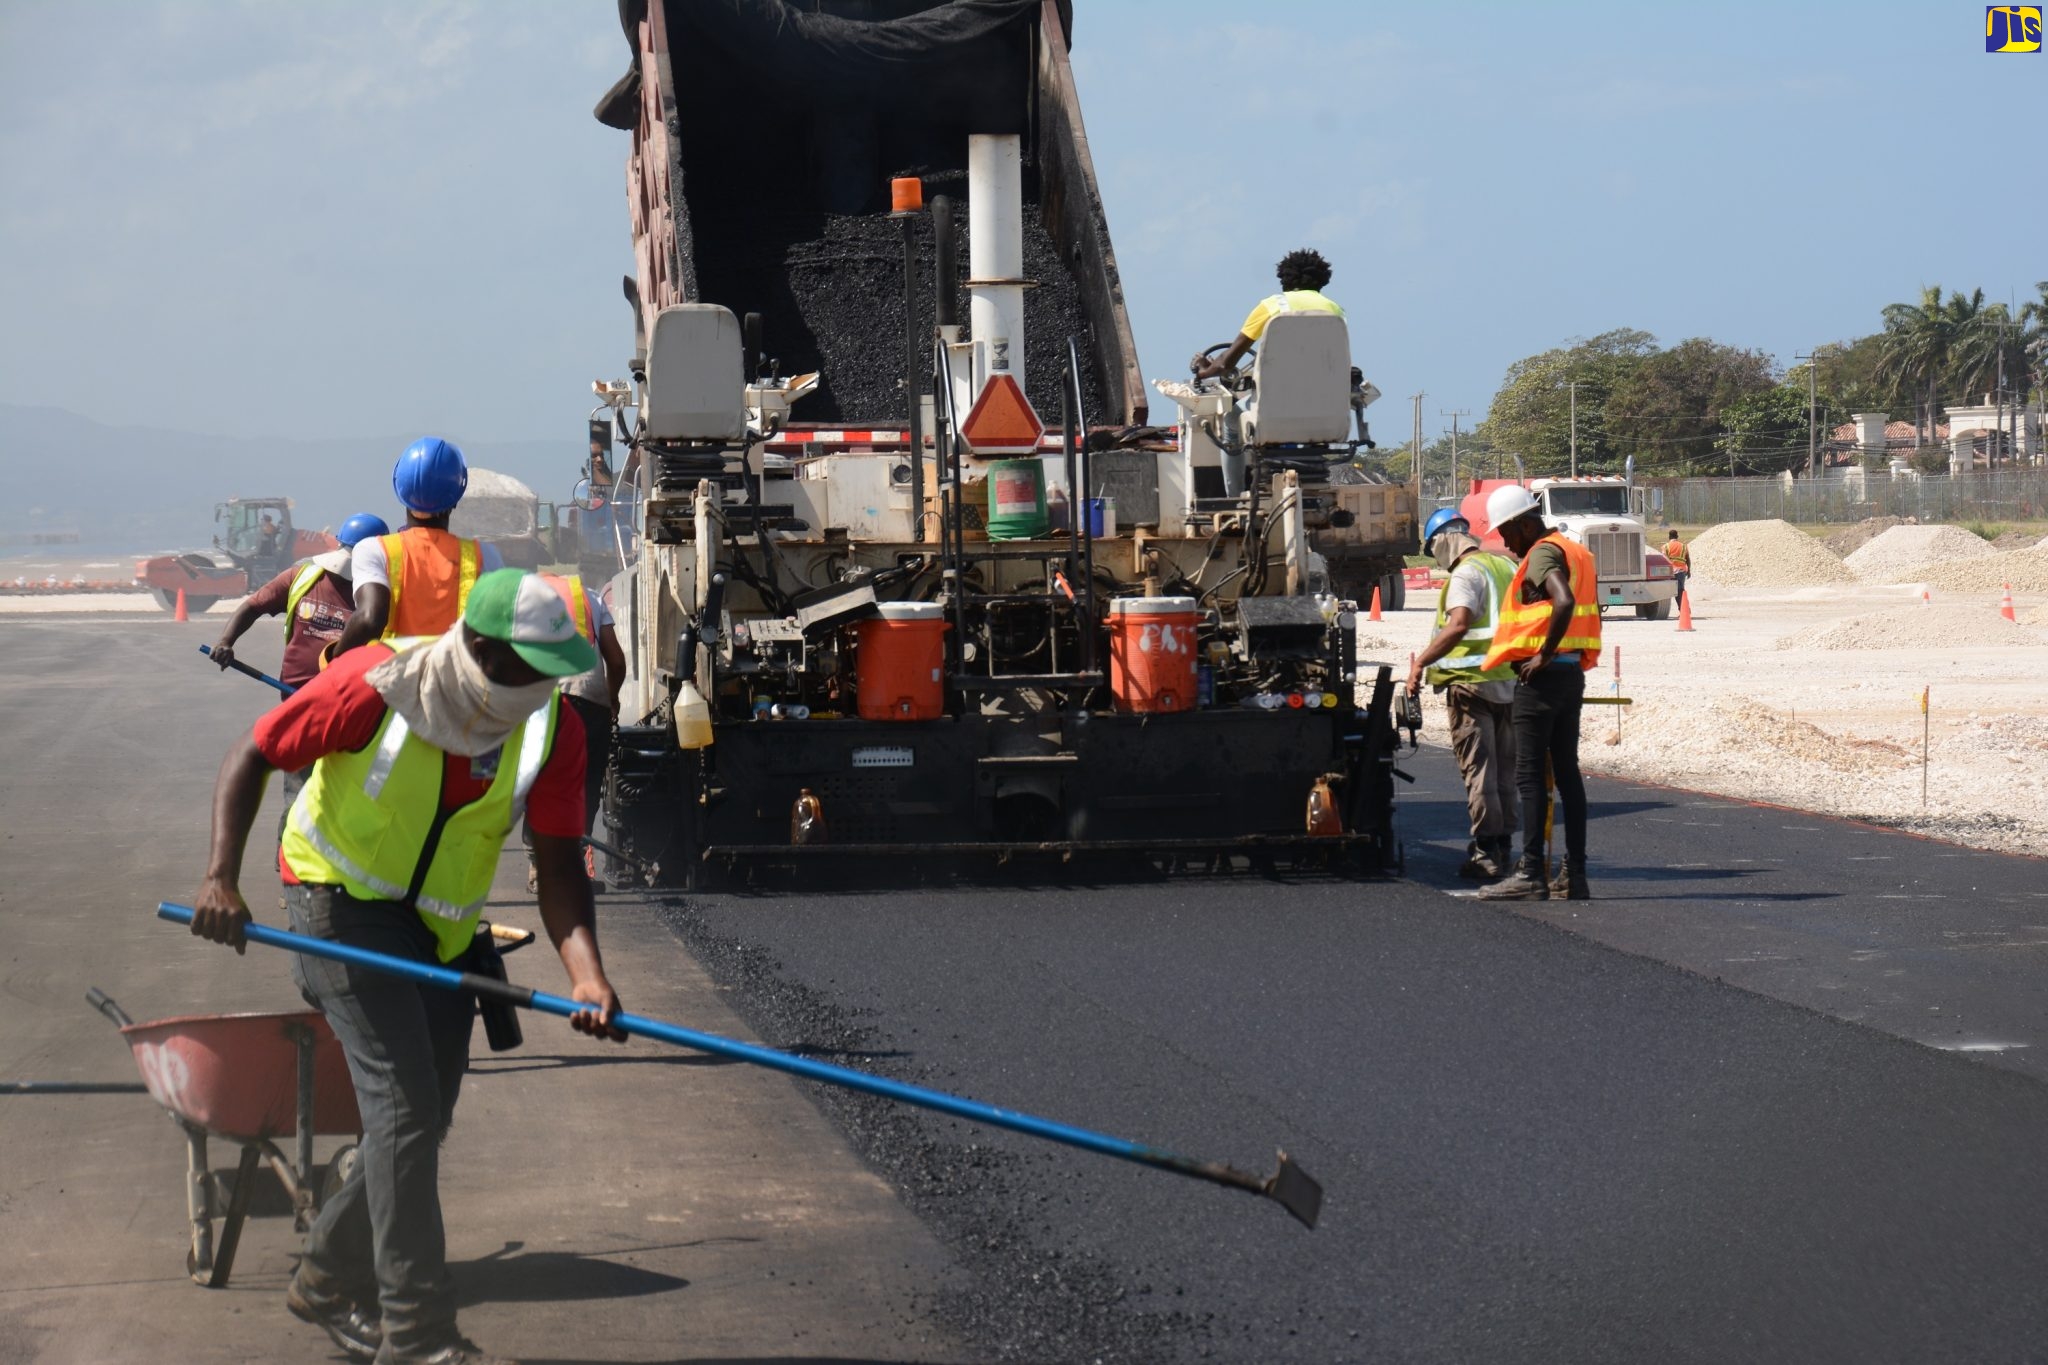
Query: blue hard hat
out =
(430, 476)
(1442, 517)
(361, 526)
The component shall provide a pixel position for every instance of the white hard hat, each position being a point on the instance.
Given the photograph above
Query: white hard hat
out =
(1504, 504)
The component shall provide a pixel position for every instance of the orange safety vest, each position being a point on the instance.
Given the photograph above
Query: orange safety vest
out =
(431, 572)
(1675, 552)
(1525, 626)
(571, 589)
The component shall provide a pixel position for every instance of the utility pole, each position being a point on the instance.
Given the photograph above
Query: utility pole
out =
(1416, 399)
(1454, 415)
(1573, 385)
(1812, 443)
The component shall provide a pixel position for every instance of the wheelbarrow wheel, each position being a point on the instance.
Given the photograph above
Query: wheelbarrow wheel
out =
(339, 1166)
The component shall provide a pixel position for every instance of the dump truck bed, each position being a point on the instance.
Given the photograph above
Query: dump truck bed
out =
(764, 140)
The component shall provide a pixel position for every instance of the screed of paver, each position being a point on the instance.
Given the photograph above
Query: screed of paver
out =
(603, 1202)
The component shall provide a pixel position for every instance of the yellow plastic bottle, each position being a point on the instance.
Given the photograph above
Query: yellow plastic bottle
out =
(693, 718)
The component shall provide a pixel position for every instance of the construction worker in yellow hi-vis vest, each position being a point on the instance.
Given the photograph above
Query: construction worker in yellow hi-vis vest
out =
(1479, 699)
(424, 756)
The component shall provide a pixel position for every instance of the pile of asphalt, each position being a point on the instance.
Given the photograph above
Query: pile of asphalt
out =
(1023, 1297)
(829, 288)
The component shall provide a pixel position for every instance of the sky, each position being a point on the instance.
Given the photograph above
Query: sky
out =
(326, 220)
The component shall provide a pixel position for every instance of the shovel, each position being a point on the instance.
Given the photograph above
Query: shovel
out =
(1290, 1187)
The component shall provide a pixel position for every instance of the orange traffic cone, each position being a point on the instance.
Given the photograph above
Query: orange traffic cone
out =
(1926, 598)
(179, 614)
(2005, 606)
(1685, 611)
(1374, 614)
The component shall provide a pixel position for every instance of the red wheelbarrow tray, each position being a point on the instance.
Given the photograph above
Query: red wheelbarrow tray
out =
(237, 1074)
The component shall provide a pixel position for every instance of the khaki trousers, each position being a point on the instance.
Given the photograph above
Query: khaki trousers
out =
(1483, 738)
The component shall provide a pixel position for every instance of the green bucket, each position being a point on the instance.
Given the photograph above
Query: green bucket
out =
(1016, 500)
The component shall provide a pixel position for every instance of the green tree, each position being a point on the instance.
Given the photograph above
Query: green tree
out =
(1668, 412)
(1766, 432)
(2034, 337)
(1531, 414)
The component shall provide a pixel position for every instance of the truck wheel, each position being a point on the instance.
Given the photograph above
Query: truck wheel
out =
(1654, 611)
(1394, 591)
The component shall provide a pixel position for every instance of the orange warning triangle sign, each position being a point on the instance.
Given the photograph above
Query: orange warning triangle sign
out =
(1001, 420)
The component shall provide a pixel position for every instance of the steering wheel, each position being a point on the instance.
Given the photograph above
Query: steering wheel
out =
(1235, 379)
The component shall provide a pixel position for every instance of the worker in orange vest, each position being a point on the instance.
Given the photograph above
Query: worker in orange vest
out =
(417, 581)
(594, 697)
(1681, 566)
(1549, 632)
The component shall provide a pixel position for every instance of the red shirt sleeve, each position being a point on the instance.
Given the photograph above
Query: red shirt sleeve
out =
(555, 805)
(271, 597)
(334, 713)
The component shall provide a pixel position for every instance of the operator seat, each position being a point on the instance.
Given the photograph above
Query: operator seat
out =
(1301, 382)
(696, 386)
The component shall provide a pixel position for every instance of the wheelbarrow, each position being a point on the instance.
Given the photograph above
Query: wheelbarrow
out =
(249, 1079)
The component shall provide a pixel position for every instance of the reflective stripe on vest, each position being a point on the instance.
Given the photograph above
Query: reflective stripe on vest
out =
(363, 819)
(1466, 662)
(423, 556)
(1524, 627)
(572, 591)
(302, 583)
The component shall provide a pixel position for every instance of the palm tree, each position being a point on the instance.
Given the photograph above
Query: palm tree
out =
(2034, 340)
(1915, 353)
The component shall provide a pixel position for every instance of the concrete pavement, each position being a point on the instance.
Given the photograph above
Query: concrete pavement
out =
(603, 1203)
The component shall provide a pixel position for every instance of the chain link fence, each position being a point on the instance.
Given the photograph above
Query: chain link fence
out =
(2000, 496)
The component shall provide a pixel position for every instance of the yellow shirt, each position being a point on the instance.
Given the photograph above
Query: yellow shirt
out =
(1293, 301)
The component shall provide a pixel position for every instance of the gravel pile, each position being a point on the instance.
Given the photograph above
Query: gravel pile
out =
(2025, 570)
(1764, 554)
(1904, 554)
(1850, 539)
(1917, 627)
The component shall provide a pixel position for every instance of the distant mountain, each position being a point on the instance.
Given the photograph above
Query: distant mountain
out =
(141, 489)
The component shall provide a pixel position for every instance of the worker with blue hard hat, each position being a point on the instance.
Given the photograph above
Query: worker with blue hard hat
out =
(415, 582)
(1480, 702)
(317, 598)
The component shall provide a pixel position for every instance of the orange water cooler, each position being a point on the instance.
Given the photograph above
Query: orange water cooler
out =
(903, 662)
(1152, 662)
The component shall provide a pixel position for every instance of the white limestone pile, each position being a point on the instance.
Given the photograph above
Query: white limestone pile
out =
(1905, 554)
(1941, 625)
(2025, 570)
(1764, 554)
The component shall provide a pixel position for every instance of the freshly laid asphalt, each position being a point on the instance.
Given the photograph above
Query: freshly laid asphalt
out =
(1705, 1117)
(1536, 1147)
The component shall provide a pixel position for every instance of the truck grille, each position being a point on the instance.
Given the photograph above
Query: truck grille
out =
(1616, 554)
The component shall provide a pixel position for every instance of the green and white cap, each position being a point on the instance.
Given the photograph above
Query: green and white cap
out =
(520, 609)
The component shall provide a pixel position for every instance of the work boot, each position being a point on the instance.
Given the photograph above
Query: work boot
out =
(1479, 864)
(1570, 882)
(456, 1350)
(346, 1324)
(1524, 884)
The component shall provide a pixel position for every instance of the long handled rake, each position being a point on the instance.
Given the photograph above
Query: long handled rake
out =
(1290, 1187)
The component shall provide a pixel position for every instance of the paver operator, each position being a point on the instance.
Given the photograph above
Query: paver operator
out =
(424, 756)
(1303, 275)
(317, 597)
(594, 697)
(415, 582)
(1479, 700)
(1550, 632)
